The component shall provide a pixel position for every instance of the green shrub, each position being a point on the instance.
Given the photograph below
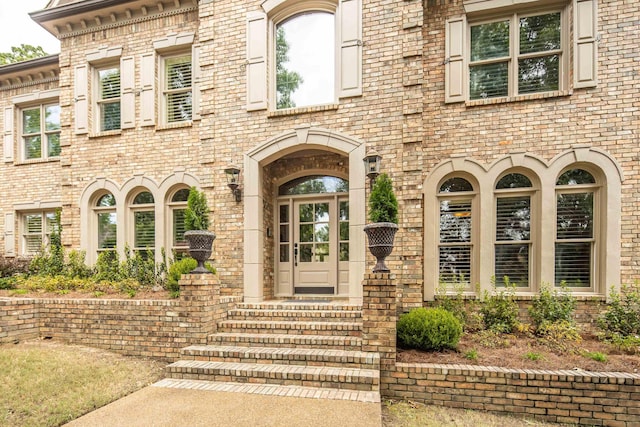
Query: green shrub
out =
(596, 355)
(75, 265)
(177, 269)
(551, 307)
(533, 356)
(108, 266)
(622, 316)
(429, 329)
(196, 216)
(499, 310)
(629, 345)
(383, 205)
(471, 354)
(8, 282)
(560, 336)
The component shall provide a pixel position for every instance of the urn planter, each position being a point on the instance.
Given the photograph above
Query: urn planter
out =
(200, 242)
(380, 236)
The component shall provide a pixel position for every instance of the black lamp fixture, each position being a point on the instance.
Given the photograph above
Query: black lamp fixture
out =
(372, 165)
(233, 181)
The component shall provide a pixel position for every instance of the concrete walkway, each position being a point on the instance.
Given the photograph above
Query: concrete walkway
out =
(156, 406)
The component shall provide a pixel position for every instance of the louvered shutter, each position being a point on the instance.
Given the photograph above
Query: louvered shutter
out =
(147, 94)
(454, 69)
(81, 116)
(586, 44)
(128, 97)
(8, 134)
(350, 26)
(9, 235)
(195, 82)
(256, 61)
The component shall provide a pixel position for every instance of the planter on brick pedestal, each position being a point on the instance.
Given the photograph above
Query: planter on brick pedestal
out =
(200, 242)
(383, 213)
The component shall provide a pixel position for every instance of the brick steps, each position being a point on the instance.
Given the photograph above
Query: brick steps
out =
(286, 356)
(286, 340)
(295, 315)
(309, 349)
(292, 327)
(273, 390)
(305, 376)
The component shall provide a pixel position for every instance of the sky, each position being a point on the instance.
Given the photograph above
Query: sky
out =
(16, 27)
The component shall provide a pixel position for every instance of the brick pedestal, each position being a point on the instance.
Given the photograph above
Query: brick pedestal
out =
(200, 298)
(379, 319)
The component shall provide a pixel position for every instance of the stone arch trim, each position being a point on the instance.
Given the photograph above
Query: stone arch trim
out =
(299, 139)
(603, 165)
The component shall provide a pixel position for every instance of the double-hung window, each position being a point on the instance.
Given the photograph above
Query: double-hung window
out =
(108, 98)
(177, 95)
(575, 229)
(36, 230)
(144, 222)
(513, 230)
(105, 210)
(177, 207)
(40, 131)
(455, 246)
(516, 55)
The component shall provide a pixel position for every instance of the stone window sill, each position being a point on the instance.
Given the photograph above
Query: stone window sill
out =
(518, 98)
(302, 110)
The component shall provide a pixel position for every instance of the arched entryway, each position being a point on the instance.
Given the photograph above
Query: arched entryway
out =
(301, 154)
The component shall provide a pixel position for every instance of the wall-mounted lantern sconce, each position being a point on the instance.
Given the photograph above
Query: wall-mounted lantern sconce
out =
(233, 181)
(372, 165)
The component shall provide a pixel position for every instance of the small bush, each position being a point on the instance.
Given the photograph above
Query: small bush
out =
(12, 266)
(177, 269)
(196, 216)
(596, 355)
(533, 356)
(493, 339)
(8, 283)
(629, 345)
(471, 354)
(622, 317)
(559, 336)
(499, 310)
(429, 329)
(551, 307)
(383, 205)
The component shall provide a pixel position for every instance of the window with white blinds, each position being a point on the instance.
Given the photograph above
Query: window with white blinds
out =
(177, 207)
(108, 98)
(105, 210)
(513, 231)
(40, 132)
(177, 88)
(144, 234)
(575, 237)
(36, 229)
(455, 249)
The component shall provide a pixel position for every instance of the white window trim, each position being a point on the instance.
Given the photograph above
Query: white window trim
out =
(514, 55)
(102, 209)
(45, 236)
(171, 207)
(44, 146)
(164, 91)
(131, 211)
(607, 228)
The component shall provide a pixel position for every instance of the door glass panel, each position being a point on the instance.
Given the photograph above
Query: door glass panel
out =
(284, 253)
(344, 231)
(344, 211)
(321, 232)
(344, 251)
(284, 213)
(322, 212)
(306, 212)
(306, 232)
(284, 233)
(322, 252)
(306, 253)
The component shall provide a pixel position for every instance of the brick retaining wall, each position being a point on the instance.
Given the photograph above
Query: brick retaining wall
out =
(587, 398)
(18, 319)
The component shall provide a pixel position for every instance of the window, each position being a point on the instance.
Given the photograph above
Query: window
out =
(177, 88)
(513, 230)
(105, 211)
(575, 238)
(305, 60)
(177, 207)
(455, 248)
(144, 228)
(36, 230)
(41, 132)
(516, 55)
(108, 98)
(302, 54)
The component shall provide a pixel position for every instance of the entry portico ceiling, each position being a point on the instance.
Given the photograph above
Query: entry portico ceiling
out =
(65, 18)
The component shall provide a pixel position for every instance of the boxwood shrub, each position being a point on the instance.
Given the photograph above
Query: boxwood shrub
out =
(429, 329)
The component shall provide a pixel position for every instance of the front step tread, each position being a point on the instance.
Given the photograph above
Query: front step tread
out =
(291, 325)
(295, 372)
(295, 313)
(273, 390)
(296, 354)
(264, 340)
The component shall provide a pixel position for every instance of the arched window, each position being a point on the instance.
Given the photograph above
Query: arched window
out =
(305, 60)
(177, 206)
(105, 211)
(575, 247)
(513, 243)
(143, 210)
(314, 185)
(455, 246)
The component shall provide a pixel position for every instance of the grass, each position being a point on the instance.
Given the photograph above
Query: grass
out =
(411, 414)
(533, 356)
(596, 355)
(49, 384)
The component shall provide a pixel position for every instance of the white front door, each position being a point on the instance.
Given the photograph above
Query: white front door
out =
(313, 245)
